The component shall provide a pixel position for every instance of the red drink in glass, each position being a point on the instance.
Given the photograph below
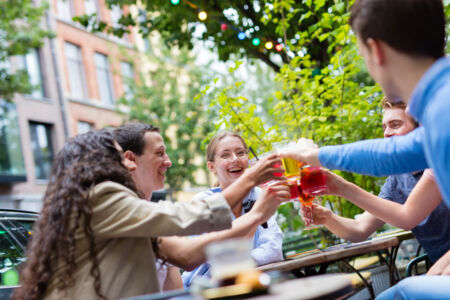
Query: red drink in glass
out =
(312, 180)
(293, 187)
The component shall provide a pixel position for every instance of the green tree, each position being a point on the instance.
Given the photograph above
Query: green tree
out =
(20, 31)
(255, 19)
(335, 104)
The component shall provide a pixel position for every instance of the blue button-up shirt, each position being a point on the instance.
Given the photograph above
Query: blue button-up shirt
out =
(428, 145)
(267, 242)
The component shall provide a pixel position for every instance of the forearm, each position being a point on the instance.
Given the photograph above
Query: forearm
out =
(402, 216)
(377, 157)
(238, 190)
(351, 229)
(189, 253)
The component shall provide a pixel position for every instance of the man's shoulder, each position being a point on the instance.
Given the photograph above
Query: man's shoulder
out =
(110, 187)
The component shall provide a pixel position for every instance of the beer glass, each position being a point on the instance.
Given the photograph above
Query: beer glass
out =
(291, 166)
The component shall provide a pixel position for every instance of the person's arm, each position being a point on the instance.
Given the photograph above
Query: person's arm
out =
(188, 253)
(354, 230)
(377, 157)
(118, 212)
(442, 266)
(424, 198)
(259, 173)
(173, 280)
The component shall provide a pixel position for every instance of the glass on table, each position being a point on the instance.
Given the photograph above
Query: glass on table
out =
(228, 258)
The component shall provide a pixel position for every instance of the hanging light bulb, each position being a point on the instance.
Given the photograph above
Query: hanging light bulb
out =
(279, 47)
(175, 2)
(241, 35)
(202, 15)
(256, 42)
(268, 45)
(223, 26)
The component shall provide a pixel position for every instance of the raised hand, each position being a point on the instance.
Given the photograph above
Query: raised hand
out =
(265, 169)
(304, 151)
(336, 185)
(270, 198)
(318, 213)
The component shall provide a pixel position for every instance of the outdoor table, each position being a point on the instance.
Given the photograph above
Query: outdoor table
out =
(328, 286)
(342, 252)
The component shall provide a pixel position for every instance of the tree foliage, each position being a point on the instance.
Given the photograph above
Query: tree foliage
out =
(337, 103)
(20, 31)
(256, 19)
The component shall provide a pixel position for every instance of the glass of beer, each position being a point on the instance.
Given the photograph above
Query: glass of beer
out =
(291, 166)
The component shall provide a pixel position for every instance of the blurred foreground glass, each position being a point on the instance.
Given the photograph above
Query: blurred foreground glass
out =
(229, 258)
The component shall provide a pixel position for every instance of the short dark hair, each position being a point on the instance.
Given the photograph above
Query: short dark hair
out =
(130, 136)
(414, 27)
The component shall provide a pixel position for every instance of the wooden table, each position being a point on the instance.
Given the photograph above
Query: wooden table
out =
(329, 286)
(306, 265)
(332, 254)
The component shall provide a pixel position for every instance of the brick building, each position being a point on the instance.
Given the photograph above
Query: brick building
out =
(79, 76)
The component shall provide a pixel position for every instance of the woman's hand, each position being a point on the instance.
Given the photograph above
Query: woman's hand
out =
(265, 169)
(270, 198)
(442, 266)
(305, 151)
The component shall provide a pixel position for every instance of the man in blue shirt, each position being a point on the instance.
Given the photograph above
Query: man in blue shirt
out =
(402, 43)
(433, 233)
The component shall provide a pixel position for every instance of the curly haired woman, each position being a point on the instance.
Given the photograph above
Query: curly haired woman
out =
(92, 239)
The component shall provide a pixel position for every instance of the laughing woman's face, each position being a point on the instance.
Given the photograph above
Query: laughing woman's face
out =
(230, 160)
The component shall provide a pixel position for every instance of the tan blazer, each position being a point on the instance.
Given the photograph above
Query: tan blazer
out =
(122, 224)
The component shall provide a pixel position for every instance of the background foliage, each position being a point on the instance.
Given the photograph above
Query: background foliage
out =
(20, 31)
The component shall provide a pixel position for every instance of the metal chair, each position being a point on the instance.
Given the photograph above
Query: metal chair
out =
(415, 262)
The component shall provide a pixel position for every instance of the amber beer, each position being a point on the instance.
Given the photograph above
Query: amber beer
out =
(291, 167)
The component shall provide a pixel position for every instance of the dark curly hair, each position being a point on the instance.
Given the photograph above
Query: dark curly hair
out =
(85, 161)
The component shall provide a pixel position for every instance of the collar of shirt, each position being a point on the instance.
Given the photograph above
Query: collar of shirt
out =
(432, 80)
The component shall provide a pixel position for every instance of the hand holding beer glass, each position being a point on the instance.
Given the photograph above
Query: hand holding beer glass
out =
(304, 181)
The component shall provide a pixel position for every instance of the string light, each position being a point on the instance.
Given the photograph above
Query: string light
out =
(202, 15)
(256, 42)
(268, 45)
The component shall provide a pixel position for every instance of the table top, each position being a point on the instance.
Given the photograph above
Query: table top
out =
(333, 254)
(329, 286)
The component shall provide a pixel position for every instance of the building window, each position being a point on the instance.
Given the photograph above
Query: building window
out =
(12, 167)
(116, 14)
(41, 143)
(104, 78)
(32, 64)
(77, 85)
(83, 127)
(64, 8)
(127, 76)
(91, 7)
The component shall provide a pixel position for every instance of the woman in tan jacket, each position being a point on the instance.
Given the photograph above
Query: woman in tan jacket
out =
(94, 236)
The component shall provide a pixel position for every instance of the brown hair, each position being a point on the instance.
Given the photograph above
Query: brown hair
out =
(85, 161)
(212, 146)
(130, 136)
(414, 27)
(386, 104)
